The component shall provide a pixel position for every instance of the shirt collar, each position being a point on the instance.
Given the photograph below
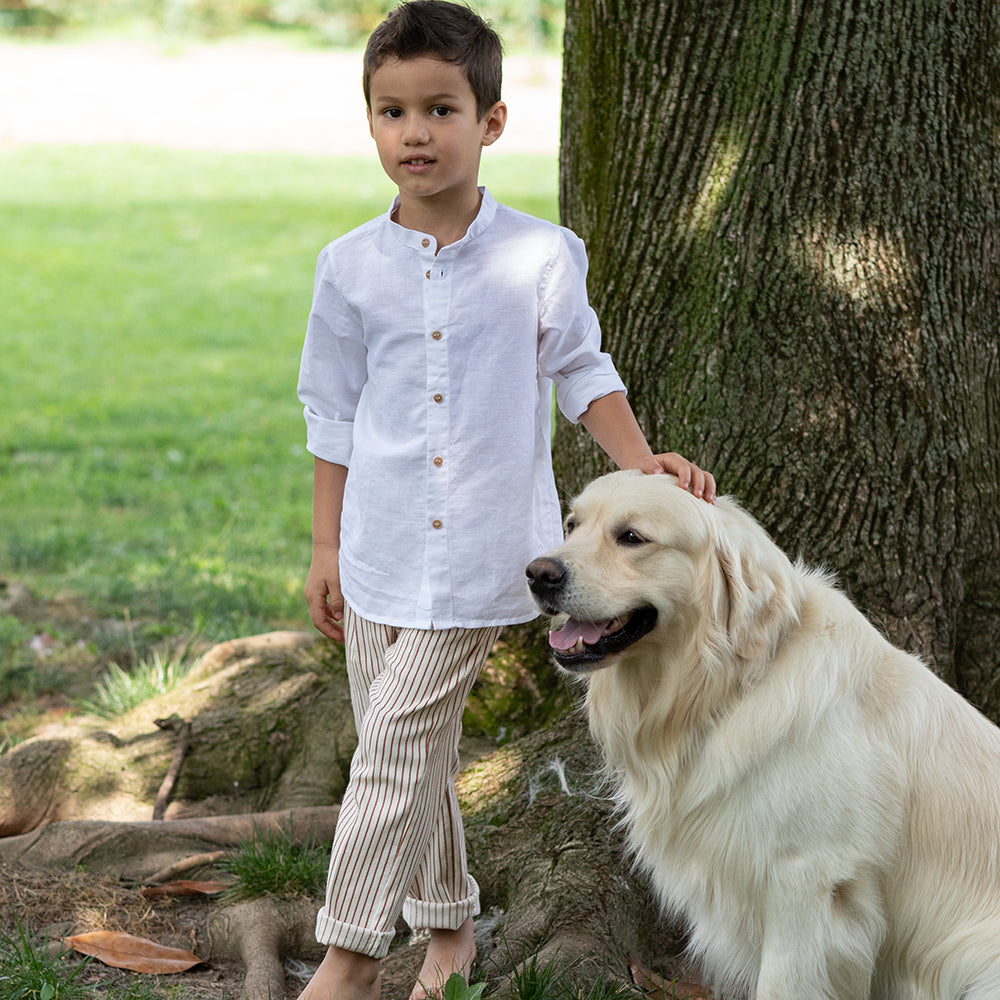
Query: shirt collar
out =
(415, 240)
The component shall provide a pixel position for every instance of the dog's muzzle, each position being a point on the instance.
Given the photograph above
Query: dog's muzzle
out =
(547, 580)
(583, 645)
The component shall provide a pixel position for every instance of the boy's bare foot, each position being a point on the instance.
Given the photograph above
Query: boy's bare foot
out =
(448, 952)
(345, 975)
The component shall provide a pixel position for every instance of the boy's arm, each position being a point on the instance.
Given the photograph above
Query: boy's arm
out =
(612, 424)
(326, 603)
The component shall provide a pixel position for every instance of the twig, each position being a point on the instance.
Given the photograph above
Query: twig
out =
(183, 730)
(185, 865)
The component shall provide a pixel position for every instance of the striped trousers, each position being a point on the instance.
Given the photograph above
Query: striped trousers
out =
(399, 845)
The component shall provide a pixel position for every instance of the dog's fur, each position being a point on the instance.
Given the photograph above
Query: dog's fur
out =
(821, 809)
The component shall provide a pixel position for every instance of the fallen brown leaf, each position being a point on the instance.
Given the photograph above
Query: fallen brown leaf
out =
(656, 986)
(184, 887)
(124, 951)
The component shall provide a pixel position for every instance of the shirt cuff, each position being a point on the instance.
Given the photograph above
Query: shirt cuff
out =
(330, 440)
(575, 394)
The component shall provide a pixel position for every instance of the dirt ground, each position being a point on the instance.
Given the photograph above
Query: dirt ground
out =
(50, 905)
(234, 96)
(55, 904)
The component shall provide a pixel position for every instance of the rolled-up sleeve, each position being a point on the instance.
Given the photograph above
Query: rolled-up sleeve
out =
(333, 370)
(570, 335)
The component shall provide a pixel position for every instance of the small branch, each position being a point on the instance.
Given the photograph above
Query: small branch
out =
(185, 865)
(183, 730)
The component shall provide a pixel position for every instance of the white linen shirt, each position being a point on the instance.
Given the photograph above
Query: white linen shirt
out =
(429, 375)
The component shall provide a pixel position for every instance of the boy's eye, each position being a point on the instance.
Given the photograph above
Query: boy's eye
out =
(393, 113)
(440, 111)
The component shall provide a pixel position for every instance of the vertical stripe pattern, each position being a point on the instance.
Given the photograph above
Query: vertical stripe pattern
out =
(399, 845)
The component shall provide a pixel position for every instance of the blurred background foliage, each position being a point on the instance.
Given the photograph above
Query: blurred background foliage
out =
(521, 23)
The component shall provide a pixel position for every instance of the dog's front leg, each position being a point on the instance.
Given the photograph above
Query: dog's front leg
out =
(821, 943)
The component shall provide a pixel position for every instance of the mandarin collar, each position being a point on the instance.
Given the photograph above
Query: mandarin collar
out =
(423, 241)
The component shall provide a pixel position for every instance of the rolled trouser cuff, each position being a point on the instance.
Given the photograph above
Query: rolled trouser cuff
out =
(419, 913)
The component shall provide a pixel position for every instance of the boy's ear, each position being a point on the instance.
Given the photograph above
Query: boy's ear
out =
(371, 127)
(494, 122)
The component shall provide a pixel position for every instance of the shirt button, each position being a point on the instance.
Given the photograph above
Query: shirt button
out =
(428, 274)
(438, 460)
(436, 334)
(438, 397)
(425, 242)
(436, 524)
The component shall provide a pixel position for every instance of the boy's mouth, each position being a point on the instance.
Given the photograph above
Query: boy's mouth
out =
(418, 163)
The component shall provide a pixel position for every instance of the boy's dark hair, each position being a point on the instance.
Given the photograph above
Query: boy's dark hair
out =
(447, 31)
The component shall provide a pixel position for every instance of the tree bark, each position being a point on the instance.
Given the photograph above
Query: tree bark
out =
(793, 217)
(547, 850)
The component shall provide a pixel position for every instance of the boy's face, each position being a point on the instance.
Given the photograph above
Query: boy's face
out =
(423, 119)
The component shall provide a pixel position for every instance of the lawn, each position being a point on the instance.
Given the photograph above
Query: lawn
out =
(153, 304)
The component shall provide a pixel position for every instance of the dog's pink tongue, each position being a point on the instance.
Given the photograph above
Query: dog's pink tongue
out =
(565, 637)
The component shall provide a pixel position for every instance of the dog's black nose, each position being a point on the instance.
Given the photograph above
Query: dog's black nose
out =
(545, 576)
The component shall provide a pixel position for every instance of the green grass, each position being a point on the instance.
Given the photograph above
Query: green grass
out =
(154, 301)
(272, 864)
(119, 691)
(27, 972)
(535, 979)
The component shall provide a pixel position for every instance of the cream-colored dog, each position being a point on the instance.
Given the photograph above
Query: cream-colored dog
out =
(821, 809)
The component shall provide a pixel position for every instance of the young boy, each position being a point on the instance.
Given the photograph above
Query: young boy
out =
(434, 338)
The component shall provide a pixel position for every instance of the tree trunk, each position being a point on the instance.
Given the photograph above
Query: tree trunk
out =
(793, 216)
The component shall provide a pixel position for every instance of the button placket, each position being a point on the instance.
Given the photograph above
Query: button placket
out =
(437, 297)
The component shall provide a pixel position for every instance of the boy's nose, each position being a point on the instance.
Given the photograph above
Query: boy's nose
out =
(416, 134)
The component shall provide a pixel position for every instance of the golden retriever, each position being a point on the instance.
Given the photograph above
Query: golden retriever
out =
(822, 810)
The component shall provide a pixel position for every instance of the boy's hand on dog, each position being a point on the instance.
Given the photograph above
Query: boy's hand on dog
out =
(699, 482)
(323, 596)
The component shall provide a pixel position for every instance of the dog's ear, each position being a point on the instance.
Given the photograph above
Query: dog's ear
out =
(753, 598)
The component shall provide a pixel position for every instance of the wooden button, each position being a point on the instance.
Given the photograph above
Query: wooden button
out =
(425, 242)
(438, 460)
(436, 524)
(428, 274)
(438, 397)
(436, 335)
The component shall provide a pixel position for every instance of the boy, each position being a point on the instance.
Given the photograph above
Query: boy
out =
(433, 337)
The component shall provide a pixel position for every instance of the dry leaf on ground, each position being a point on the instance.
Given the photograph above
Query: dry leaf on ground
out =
(657, 987)
(124, 951)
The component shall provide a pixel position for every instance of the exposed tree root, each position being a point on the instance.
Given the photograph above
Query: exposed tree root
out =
(139, 851)
(258, 934)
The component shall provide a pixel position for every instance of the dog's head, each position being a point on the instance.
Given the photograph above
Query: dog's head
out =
(644, 560)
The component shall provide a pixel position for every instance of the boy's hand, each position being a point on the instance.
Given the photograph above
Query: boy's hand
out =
(323, 596)
(612, 424)
(689, 476)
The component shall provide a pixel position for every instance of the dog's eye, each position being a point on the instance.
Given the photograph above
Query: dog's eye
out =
(631, 538)
(569, 526)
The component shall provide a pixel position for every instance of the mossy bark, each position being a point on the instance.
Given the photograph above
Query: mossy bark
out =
(271, 727)
(793, 217)
(547, 851)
